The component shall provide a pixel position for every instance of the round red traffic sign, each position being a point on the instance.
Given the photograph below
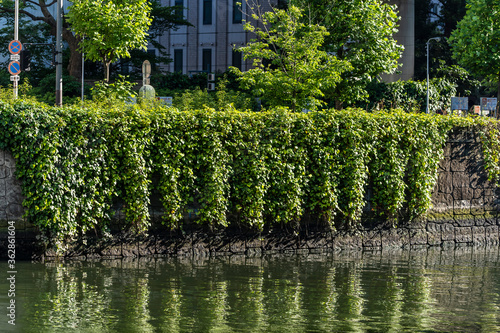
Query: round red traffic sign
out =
(15, 47)
(14, 68)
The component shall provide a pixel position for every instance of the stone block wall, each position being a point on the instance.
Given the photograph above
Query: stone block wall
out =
(463, 191)
(11, 198)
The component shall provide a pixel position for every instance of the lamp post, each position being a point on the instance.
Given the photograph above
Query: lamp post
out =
(427, 46)
(59, 30)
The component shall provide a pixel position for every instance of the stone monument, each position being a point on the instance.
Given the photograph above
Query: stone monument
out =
(146, 92)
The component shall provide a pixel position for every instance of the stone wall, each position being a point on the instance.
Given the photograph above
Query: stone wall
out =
(466, 204)
(10, 189)
(463, 188)
(465, 213)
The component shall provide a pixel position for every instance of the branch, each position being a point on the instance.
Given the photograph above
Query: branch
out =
(40, 4)
(49, 18)
(435, 14)
(30, 15)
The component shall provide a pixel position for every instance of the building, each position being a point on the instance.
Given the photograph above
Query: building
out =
(211, 44)
(218, 30)
(405, 37)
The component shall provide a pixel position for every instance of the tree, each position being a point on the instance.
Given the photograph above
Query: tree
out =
(451, 12)
(163, 18)
(435, 21)
(427, 24)
(289, 67)
(361, 33)
(28, 8)
(29, 32)
(476, 40)
(109, 29)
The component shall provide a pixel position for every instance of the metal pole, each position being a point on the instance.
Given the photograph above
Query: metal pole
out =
(427, 105)
(59, 83)
(427, 45)
(16, 37)
(83, 74)
(16, 20)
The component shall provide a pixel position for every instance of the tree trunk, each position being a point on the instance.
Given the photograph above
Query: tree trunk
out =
(75, 59)
(338, 105)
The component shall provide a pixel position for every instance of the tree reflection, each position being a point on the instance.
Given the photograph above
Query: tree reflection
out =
(367, 292)
(68, 301)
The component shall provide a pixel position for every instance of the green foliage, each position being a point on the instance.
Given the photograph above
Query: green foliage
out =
(44, 90)
(290, 69)
(168, 82)
(254, 169)
(476, 40)
(110, 29)
(121, 90)
(360, 33)
(466, 84)
(490, 140)
(221, 99)
(411, 95)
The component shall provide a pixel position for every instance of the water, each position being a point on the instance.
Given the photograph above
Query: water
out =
(431, 290)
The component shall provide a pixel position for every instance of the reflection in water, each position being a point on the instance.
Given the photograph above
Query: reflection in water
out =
(423, 290)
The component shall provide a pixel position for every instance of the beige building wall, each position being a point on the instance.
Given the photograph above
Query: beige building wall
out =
(217, 38)
(222, 35)
(405, 37)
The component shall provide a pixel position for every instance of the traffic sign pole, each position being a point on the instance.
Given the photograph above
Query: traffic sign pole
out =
(16, 37)
(16, 20)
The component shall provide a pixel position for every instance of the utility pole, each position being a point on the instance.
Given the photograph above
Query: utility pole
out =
(59, 82)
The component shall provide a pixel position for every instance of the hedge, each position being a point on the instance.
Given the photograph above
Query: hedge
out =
(251, 169)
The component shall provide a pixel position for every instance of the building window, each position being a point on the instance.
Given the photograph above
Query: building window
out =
(206, 62)
(236, 61)
(178, 61)
(179, 11)
(207, 11)
(237, 14)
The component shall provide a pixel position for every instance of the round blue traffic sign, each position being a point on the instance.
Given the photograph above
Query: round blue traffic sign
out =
(15, 47)
(14, 68)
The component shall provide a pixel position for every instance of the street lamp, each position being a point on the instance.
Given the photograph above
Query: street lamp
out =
(59, 31)
(427, 46)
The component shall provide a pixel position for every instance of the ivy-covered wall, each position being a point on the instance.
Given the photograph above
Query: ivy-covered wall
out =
(465, 211)
(253, 170)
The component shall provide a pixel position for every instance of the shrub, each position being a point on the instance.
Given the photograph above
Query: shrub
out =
(410, 95)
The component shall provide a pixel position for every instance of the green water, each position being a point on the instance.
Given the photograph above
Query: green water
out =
(414, 291)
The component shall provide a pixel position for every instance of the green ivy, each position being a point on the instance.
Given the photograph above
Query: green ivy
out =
(79, 164)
